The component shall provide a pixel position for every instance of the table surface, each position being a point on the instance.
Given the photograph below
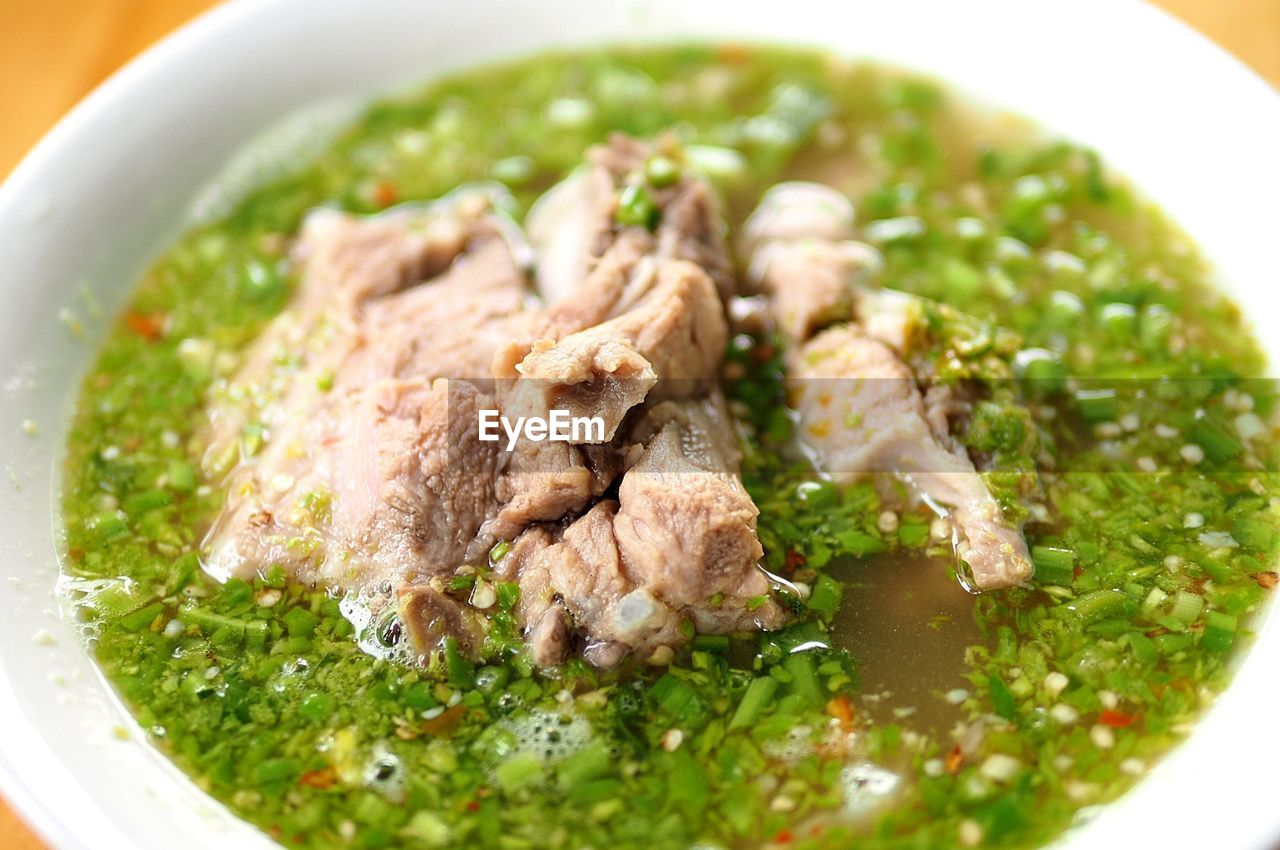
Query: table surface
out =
(46, 66)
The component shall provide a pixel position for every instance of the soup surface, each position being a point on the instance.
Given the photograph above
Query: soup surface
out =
(895, 709)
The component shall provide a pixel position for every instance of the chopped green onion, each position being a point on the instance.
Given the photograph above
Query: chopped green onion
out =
(460, 672)
(520, 771)
(107, 525)
(142, 618)
(253, 630)
(607, 791)
(461, 582)
(712, 643)
(1219, 631)
(1186, 607)
(317, 706)
(428, 828)
(182, 477)
(825, 598)
(1097, 405)
(275, 576)
(590, 762)
(1143, 648)
(687, 784)
(277, 770)
(1041, 371)
(513, 170)
(498, 552)
(1100, 604)
(804, 677)
(758, 695)
(1218, 570)
(676, 697)
(1002, 701)
(300, 622)
(114, 600)
(1119, 320)
(1253, 534)
(508, 594)
(1154, 600)
(913, 535)
(148, 500)
(859, 543)
(1054, 565)
(1172, 643)
(636, 208)
(818, 495)
(420, 696)
(1155, 327)
(1218, 445)
(1063, 310)
(662, 171)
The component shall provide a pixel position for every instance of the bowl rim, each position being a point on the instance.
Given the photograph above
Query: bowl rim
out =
(37, 811)
(214, 24)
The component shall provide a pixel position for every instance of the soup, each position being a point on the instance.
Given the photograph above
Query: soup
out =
(1062, 343)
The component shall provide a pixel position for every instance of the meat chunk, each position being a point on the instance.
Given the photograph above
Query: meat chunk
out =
(619, 294)
(427, 291)
(635, 316)
(448, 328)
(634, 335)
(350, 261)
(669, 343)
(566, 225)
(800, 242)
(679, 544)
(545, 481)
(687, 527)
(574, 226)
(379, 485)
(674, 333)
(430, 617)
(614, 614)
(371, 471)
(861, 404)
(862, 412)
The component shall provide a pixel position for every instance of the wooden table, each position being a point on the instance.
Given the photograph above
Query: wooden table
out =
(54, 51)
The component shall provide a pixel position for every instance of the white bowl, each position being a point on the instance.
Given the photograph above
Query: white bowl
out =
(110, 186)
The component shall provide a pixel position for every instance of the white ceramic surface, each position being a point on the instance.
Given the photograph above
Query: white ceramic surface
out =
(108, 188)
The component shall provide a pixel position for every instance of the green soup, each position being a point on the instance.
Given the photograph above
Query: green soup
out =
(923, 716)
